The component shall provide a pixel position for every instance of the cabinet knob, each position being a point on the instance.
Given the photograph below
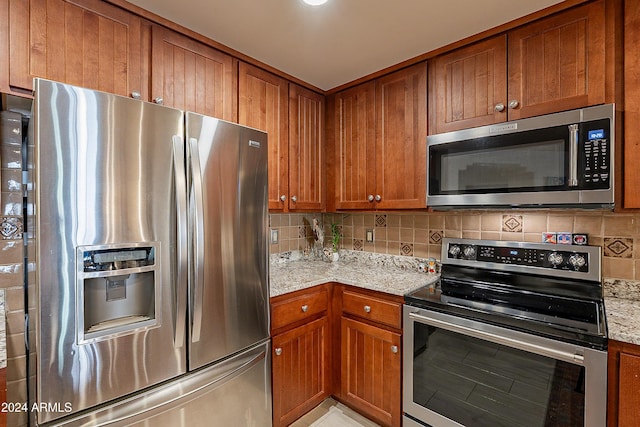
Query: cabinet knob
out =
(158, 100)
(136, 95)
(278, 351)
(305, 308)
(294, 199)
(367, 309)
(499, 107)
(513, 104)
(283, 198)
(394, 349)
(378, 197)
(370, 198)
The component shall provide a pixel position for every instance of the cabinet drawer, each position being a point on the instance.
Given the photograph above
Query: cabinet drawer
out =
(371, 308)
(298, 308)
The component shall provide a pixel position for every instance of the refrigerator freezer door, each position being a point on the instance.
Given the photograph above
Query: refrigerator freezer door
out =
(106, 249)
(234, 392)
(229, 294)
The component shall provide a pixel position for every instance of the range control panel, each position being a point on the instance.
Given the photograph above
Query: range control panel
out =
(569, 258)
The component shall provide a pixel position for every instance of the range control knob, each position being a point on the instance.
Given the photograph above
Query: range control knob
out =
(454, 251)
(555, 259)
(577, 261)
(469, 252)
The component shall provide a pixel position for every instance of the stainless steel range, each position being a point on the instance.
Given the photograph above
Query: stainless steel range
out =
(513, 334)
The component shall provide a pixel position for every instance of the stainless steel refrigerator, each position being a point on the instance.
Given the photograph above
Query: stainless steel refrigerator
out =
(149, 264)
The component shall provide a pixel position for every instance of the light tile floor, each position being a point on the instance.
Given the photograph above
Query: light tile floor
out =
(332, 418)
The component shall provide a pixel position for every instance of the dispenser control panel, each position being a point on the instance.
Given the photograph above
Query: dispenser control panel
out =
(117, 259)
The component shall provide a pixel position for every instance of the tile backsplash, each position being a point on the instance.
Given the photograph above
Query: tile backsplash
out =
(420, 234)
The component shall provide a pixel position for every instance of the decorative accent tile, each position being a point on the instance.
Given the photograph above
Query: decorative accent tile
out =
(512, 223)
(381, 220)
(406, 249)
(11, 228)
(358, 245)
(618, 247)
(435, 236)
(302, 231)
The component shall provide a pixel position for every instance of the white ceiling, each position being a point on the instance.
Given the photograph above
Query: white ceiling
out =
(343, 40)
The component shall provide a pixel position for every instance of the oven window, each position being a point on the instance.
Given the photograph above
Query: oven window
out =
(479, 383)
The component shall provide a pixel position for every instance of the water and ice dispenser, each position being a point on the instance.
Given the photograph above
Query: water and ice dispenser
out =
(117, 289)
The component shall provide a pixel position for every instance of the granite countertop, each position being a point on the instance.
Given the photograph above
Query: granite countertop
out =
(622, 306)
(391, 274)
(399, 275)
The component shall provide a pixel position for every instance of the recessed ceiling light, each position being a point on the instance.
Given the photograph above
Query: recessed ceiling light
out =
(315, 2)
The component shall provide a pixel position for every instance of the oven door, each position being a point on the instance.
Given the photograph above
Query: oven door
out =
(460, 372)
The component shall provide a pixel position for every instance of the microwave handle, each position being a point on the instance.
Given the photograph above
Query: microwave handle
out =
(573, 155)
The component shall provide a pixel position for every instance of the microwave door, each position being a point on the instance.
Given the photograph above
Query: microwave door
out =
(511, 169)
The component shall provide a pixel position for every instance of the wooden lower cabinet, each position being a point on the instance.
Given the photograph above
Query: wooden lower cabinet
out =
(371, 371)
(300, 370)
(301, 339)
(341, 341)
(624, 385)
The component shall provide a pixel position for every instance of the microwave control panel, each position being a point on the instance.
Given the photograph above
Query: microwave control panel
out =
(596, 155)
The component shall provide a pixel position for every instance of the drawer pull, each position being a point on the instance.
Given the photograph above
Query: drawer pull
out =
(305, 308)
(278, 351)
(367, 309)
(394, 349)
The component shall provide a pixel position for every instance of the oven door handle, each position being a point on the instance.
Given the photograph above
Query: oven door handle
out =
(575, 358)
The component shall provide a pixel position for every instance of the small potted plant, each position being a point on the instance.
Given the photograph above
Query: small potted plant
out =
(335, 240)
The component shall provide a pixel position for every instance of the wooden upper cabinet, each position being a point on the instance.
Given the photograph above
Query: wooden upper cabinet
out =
(631, 196)
(354, 123)
(553, 64)
(401, 139)
(87, 43)
(306, 149)
(468, 87)
(558, 63)
(192, 76)
(380, 142)
(263, 104)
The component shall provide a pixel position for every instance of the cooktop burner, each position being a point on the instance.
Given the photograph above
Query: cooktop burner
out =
(553, 291)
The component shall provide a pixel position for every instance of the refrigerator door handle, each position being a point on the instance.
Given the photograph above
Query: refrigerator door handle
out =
(197, 214)
(181, 220)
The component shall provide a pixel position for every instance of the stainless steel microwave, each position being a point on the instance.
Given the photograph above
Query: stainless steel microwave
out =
(561, 159)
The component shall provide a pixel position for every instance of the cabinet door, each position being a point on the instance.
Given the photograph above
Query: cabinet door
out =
(263, 105)
(306, 149)
(558, 63)
(87, 43)
(371, 372)
(629, 390)
(631, 145)
(191, 76)
(300, 370)
(468, 87)
(355, 147)
(401, 139)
